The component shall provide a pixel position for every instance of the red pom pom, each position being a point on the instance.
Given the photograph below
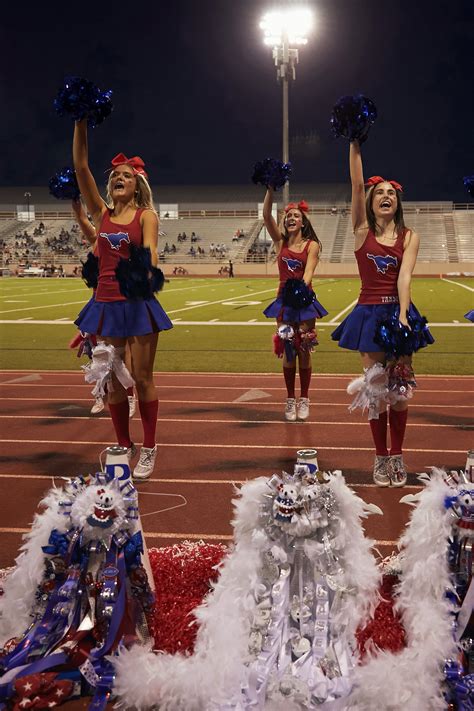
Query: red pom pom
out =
(183, 574)
(278, 345)
(384, 630)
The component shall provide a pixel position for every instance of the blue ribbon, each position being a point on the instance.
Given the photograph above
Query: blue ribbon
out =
(106, 673)
(58, 543)
(133, 551)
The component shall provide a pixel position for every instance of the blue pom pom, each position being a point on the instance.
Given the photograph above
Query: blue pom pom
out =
(136, 276)
(468, 181)
(271, 173)
(352, 117)
(63, 185)
(90, 270)
(397, 340)
(80, 98)
(296, 294)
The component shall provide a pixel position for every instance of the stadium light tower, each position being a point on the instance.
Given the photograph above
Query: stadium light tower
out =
(285, 30)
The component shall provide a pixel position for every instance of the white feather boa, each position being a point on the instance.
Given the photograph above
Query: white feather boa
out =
(212, 677)
(18, 600)
(412, 680)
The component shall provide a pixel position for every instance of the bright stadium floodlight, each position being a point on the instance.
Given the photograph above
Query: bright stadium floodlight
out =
(285, 30)
(291, 24)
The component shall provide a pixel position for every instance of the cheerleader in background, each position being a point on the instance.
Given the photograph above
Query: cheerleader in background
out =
(298, 248)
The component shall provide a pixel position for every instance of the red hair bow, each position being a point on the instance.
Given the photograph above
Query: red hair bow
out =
(376, 179)
(302, 205)
(136, 163)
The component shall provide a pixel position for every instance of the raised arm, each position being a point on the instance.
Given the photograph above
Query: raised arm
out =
(87, 185)
(87, 229)
(359, 217)
(412, 243)
(311, 263)
(270, 222)
(150, 224)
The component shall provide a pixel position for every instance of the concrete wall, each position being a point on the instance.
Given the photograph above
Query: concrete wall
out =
(324, 269)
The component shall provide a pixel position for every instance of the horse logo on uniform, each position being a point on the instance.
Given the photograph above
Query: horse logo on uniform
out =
(292, 264)
(116, 238)
(383, 263)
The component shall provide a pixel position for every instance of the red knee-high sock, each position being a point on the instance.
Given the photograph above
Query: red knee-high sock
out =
(305, 379)
(379, 433)
(119, 413)
(290, 377)
(149, 415)
(130, 391)
(398, 423)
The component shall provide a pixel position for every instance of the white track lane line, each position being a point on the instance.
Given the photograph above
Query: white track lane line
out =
(241, 447)
(200, 421)
(257, 403)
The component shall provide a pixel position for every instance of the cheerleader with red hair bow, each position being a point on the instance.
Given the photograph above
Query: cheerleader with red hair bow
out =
(125, 223)
(298, 248)
(386, 252)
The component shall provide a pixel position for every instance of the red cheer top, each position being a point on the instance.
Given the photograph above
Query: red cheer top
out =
(291, 265)
(113, 243)
(379, 266)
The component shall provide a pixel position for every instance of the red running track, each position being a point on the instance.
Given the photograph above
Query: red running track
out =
(214, 431)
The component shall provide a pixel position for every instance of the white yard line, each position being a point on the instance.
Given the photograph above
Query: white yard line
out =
(463, 286)
(212, 322)
(221, 301)
(49, 306)
(336, 318)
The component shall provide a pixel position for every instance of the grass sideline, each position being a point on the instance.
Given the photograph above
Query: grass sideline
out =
(219, 326)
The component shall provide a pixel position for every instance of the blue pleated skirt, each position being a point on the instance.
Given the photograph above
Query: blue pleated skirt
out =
(470, 315)
(289, 315)
(356, 332)
(121, 319)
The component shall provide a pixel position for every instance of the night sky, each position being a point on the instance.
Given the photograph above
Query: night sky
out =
(196, 95)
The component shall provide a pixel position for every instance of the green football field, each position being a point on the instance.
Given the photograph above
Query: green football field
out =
(219, 326)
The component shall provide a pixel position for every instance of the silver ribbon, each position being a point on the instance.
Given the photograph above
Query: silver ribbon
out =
(106, 359)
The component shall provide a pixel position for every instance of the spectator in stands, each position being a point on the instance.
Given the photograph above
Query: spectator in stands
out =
(129, 210)
(386, 252)
(84, 224)
(298, 249)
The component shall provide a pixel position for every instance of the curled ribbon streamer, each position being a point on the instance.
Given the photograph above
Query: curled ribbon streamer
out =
(105, 361)
(371, 389)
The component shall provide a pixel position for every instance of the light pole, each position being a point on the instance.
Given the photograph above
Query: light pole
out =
(284, 30)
